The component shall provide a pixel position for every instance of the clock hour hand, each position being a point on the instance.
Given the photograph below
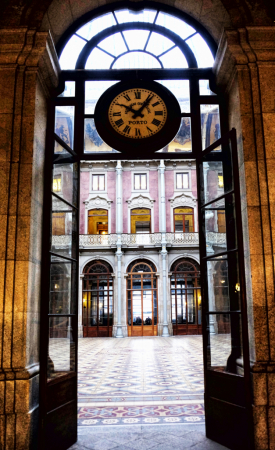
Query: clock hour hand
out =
(147, 101)
(131, 109)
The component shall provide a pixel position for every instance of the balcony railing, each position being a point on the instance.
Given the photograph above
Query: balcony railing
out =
(137, 240)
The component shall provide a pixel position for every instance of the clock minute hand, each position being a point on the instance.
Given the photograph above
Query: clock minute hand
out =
(147, 101)
(131, 109)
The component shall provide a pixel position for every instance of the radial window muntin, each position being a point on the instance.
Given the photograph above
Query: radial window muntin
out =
(151, 27)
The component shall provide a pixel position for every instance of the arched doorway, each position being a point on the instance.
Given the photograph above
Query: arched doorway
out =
(142, 299)
(73, 137)
(97, 300)
(186, 297)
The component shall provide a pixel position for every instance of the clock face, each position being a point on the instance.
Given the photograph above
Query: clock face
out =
(137, 116)
(137, 113)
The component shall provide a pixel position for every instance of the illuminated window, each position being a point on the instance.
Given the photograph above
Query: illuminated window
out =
(182, 180)
(98, 182)
(140, 221)
(140, 181)
(57, 183)
(98, 221)
(184, 220)
(220, 180)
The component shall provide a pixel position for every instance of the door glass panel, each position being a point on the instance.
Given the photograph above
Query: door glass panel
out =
(215, 235)
(110, 309)
(63, 228)
(147, 283)
(61, 354)
(210, 125)
(180, 282)
(64, 124)
(60, 293)
(155, 307)
(92, 310)
(191, 307)
(225, 343)
(147, 308)
(129, 309)
(136, 283)
(136, 295)
(173, 302)
(198, 295)
(181, 307)
(84, 299)
(213, 186)
(65, 182)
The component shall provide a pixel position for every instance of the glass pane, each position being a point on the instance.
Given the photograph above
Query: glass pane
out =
(92, 310)
(110, 310)
(84, 302)
(92, 141)
(69, 90)
(60, 290)
(213, 182)
(198, 295)
(178, 26)
(136, 308)
(136, 39)
(205, 88)
(147, 308)
(95, 26)
(94, 90)
(103, 309)
(181, 307)
(147, 283)
(173, 303)
(65, 181)
(180, 89)
(61, 356)
(158, 44)
(71, 52)
(155, 307)
(174, 59)
(63, 228)
(136, 283)
(113, 44)
(182, 141)
(210, 125)
(129, 308)
(215, 236)
(201, 51)
(143, 184)
(225, 343)
(135, 16)
(98, 60)
(64, 124)
(191, 307)
(136, 60)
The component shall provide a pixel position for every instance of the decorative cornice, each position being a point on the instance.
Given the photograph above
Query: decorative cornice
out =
(182, 199)
(98, 202)
(140, 201)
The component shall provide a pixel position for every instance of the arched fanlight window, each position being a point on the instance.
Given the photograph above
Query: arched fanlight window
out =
(124, 39)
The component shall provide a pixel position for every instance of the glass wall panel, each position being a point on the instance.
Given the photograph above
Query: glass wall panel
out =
(64, 182)
(147, 308)
(69, 90)
(93, 91)
(64, 124)
(60, 287)
(181, 90)
(215, 231)
(213, 182)
(129, 308)
(92, 141)
(155, 305)
(210, 125)
(61, 359)
(92, 309)
(63, 228)
(136, 299)
(191, 307)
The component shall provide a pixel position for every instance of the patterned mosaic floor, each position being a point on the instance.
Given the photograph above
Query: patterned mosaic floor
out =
(149, 380)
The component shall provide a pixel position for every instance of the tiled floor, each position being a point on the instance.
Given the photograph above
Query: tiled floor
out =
(141, 393)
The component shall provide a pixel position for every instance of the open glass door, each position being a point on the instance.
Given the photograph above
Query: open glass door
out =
(59, 322)
(225, 335)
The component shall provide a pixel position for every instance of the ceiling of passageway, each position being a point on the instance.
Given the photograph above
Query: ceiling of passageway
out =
(58, 15)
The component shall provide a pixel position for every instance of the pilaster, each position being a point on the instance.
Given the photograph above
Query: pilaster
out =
(245, 71)
(28, 73)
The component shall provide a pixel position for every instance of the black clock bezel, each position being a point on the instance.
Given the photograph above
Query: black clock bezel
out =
(152, 143)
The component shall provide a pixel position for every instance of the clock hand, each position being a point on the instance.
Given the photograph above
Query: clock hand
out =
(131, 109)
(147, 101)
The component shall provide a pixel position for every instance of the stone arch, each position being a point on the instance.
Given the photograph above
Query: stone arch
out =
(184, 256)
(141, 257)
(95, 258)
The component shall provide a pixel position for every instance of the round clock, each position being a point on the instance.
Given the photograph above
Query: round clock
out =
(137, 115)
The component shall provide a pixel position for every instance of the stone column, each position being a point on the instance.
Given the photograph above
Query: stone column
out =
(245, 70)
(165, 332)
(119, 230)
(28, 71)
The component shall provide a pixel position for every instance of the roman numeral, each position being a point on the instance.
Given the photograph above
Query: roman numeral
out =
(155, 104)
(149, 129)
(127, 129)
(127, 97)
(119, 123)
(138, 132)
(156, 122)
(158, 113)
(117, 114)
(137, 95)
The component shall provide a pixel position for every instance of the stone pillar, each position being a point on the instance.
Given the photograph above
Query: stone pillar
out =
(245, 70)
(119, 230)
(28, 72)
(165, 332)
